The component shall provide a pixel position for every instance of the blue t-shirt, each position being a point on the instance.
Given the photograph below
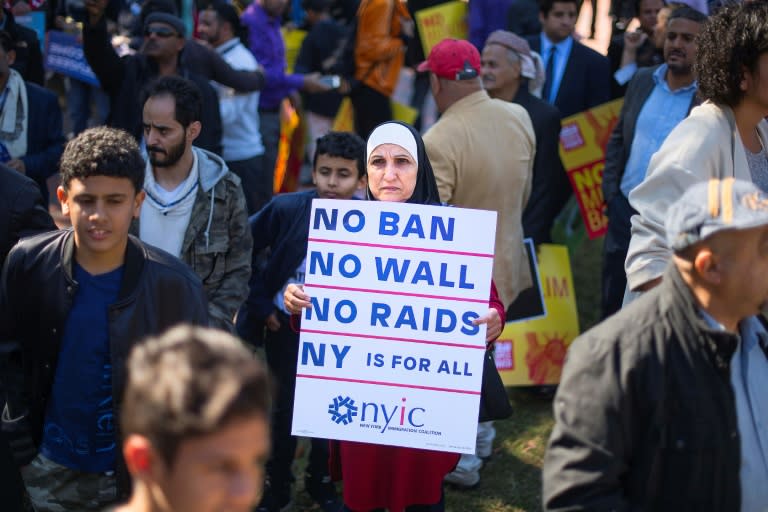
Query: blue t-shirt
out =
(78, 431)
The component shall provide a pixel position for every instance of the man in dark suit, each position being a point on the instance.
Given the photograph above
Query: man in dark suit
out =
(22, 213)
(34, 142)
(657, 100)
(507, 67)
(29, 57)
(578, 77)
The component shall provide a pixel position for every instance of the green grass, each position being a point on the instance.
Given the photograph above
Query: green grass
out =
(511, 478)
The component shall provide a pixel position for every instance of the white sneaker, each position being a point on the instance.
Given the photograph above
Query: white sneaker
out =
(467, 472)
(486, 433)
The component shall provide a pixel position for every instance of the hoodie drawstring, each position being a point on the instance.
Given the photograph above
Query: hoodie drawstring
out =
(210, 218)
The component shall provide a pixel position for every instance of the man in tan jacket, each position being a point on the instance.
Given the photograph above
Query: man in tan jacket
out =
(482, 153)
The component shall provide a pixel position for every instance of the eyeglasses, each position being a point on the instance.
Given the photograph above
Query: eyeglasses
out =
(162, 32)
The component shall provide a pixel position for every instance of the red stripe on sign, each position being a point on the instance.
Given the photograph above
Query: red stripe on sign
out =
(391, 384)
(404, 248)
(392, 338)
(384, 292)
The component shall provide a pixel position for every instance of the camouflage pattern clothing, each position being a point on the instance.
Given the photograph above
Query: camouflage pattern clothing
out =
(56, 488)
(217, 242)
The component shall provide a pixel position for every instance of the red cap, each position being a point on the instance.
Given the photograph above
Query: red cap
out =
(454, 59)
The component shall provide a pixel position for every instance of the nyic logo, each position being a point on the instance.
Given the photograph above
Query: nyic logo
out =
(343, 410)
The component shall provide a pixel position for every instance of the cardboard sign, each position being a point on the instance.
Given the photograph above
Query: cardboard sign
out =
(388, 353)
(532, 352)
(440, 22)
(583, 139)
(64, 54)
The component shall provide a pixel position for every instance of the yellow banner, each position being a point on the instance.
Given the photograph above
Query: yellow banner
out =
(344, 120)
(289, 122)
(442, 21)
(583, 140)
(292, 39)
(532, 352)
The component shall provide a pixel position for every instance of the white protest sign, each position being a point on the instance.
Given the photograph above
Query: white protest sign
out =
(388, 353)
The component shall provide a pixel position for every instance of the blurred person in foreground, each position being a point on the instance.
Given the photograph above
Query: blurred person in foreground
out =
(195, 421)
(660, 407)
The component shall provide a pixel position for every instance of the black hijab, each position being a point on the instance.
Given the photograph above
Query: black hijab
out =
(426, 186)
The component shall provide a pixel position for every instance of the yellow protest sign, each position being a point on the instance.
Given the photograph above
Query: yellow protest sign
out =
(441, 21)
(292, 39)
(583, 140)
(532, 352)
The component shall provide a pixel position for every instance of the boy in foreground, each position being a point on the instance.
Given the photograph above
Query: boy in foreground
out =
(196, 423)
(72, 305)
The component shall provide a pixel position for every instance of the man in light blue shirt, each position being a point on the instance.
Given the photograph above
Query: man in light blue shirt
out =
(657, 100)
(243, 150)
(749, 378)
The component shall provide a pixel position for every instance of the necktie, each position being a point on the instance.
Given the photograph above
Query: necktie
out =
(547, 91)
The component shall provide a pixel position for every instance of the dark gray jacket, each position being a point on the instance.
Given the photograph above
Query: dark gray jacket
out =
(645, 413)
(22, 210)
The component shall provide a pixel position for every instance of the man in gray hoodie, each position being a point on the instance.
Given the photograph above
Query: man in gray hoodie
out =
(195, 207)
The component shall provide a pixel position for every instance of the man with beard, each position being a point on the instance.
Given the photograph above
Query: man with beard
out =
(123, 78)
(195, 208)
(507, 68)
(657, 100)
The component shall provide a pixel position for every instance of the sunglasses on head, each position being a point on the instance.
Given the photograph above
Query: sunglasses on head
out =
(163, 32)
(467, 73)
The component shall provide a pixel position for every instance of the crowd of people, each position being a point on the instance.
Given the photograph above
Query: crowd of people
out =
(169, 217)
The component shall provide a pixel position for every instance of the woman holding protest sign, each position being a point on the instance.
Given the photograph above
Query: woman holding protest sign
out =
(379, 476)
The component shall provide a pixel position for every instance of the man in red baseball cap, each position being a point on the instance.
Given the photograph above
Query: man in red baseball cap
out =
(482, 152)
(453, 59)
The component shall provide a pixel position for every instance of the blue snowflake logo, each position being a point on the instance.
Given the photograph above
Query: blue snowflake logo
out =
(342, 410)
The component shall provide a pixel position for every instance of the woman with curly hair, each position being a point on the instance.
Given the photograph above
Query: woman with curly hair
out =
(726, 136)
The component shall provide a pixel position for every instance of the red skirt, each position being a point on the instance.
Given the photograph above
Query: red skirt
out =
(391, 477)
